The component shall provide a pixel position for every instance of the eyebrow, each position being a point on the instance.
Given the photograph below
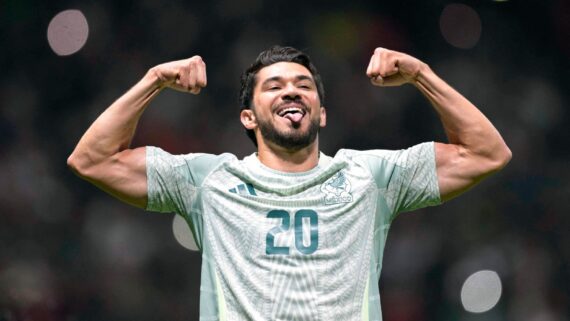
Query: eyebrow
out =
(279, 78)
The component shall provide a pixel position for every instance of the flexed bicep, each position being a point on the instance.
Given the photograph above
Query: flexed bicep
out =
(103, 156)
(123, 176)
(459, 169)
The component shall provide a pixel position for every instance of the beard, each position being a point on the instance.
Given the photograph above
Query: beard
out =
(292, 139)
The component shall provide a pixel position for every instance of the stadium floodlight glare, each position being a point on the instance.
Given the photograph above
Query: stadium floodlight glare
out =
(481, 291)
(182, 233)
(67, 32)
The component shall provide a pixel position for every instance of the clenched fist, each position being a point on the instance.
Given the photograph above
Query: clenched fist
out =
(188, 75)
(392, 68)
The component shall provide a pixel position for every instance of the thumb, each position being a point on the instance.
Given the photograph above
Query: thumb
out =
(377, 80)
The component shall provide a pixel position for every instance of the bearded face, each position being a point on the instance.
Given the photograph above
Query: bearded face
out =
(294, 138)
(286, 110)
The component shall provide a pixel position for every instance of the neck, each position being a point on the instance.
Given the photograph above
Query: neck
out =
(277, 158)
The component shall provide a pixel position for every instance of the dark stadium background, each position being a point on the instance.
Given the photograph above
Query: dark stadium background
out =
(70, 252)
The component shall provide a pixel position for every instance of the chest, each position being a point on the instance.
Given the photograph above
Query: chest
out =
(322, 218)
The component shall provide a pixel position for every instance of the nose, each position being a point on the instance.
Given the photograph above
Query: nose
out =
(290, 92)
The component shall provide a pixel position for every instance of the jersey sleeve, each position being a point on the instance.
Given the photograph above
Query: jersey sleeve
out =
(407, 177)
(173, 181)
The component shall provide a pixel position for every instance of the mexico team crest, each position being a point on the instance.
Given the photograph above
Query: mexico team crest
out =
(337, 189)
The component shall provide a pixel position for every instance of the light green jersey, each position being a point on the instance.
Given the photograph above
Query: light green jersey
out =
(291, 246)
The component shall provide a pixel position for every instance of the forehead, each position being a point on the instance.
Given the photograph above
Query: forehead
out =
(285, 70)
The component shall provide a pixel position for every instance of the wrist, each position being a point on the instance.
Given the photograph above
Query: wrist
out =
(422, 73)
(155, 77)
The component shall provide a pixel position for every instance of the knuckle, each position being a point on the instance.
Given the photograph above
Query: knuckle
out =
(191, 62)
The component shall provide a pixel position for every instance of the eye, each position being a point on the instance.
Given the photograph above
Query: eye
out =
(273, 88)
(305, 86)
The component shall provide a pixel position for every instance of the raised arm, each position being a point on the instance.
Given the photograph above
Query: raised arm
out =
(103, 156)
(475, 149)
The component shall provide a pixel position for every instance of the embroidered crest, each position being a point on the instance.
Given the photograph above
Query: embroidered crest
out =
(337, 189)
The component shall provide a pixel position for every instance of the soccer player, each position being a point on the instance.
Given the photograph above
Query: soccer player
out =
(289, 233)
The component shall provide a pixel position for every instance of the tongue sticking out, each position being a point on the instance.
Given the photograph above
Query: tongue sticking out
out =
(294, 117)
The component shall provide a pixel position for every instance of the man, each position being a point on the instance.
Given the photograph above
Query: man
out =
(289, 233)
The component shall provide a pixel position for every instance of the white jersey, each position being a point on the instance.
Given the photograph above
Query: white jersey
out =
(291, 246)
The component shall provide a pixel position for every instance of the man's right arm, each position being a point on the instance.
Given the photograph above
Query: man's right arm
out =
(103, 156)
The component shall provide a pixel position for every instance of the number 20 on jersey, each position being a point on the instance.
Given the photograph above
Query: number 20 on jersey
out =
(285, 225)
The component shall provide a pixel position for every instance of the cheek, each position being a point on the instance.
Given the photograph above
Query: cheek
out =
(314, 97)
(263, 100)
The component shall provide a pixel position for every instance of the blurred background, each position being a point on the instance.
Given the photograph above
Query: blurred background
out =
(70, 252)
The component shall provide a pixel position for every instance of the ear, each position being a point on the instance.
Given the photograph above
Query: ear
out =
(247, 118)
(323, 122)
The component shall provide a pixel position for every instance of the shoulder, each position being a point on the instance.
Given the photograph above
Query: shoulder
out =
(385, 165)
(158, 154)
(193, 166)
(399, 157)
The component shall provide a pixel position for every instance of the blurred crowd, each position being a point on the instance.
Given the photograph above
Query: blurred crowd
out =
(70, 252)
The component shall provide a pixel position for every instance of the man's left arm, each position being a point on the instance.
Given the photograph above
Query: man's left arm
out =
(475, 149)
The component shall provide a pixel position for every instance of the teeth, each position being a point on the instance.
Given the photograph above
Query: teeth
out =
(290, 109)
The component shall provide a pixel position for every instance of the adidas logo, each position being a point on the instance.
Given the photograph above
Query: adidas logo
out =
(243, 189)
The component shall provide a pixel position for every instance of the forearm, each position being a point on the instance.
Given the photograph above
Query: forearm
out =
(475, 149)
(114, 129)
(463, 123)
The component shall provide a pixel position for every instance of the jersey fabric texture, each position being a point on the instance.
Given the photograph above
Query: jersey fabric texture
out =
(291, 246)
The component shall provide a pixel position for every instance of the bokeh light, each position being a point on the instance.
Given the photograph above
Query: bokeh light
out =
(67, 32)
(72, 252)
(460, 25)
(481, 291)
(182, 233)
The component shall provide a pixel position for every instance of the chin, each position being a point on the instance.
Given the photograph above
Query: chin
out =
(291, 139)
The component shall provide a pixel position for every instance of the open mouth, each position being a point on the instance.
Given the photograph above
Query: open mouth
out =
(293, 113)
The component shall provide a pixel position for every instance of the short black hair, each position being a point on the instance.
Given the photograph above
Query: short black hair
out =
(268, 57)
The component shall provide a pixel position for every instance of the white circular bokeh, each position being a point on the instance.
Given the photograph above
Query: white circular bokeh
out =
(67, 32)
(460, 25)
(182, 233)
(481, 291)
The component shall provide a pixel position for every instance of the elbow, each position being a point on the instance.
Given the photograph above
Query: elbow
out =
(508, 156)
(501, 158)
(74, 164)
(505, 156)
(79, 164)
(88, 167)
